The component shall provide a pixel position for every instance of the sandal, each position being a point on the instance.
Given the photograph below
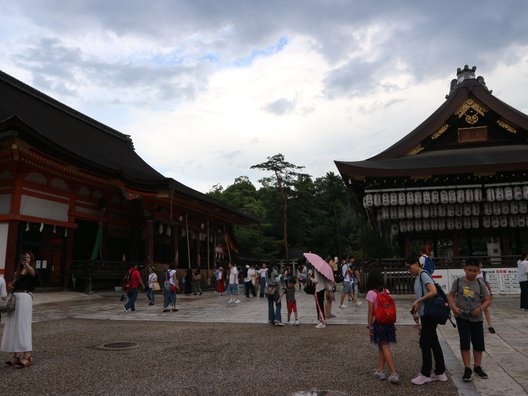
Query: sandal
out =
(14, 360)
(24, 362)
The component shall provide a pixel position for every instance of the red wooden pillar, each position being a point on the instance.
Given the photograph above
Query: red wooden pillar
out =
(149, 241)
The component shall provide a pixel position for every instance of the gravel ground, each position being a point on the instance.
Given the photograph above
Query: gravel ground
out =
(209, 359)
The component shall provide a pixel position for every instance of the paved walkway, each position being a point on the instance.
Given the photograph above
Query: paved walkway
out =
(505, 360)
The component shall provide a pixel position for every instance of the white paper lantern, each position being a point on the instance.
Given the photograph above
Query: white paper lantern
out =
(393, 212)
(490, 194)
(403, 226)
(393, 199)
(377, 199)
(368, 201)
(385, 213)
(401, 198)
(517, 193)
(444, 197)
(488, 209)
(410, 225)
(450, 223)
(426, 197)
(503, 221)
(426, 225)
(418, 225)
(452, 196)
(450, 209)
(459, 210)
(486, 222)
(474, 222)
(417, 212)
(409, 212)
(467, 209)
(433, 211)
(385, 199)
(425, 211)
(441, 210)
(417, 198)
(477, 195)
(434, 225)
(475, 209)
(525, 192)
(469, 195)
(441, 224)
(508, 194)
(496, 208)
(514, 207)
(499, 194)
(409, 197)
(523, 207)
(466, 223)
(505, 208)
(460, 196)
(521, 221)
(512, 221)
(495, 223)
(435, 197)
(401, 212)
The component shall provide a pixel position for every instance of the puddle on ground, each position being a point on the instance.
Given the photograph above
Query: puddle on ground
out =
(318, 393)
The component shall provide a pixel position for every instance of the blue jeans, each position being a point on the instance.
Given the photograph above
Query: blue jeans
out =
(262, 286)
(132, 297)
(150, 295)
(169, 298)
(274, 313)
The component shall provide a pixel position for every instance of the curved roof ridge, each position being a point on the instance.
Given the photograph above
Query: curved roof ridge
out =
(62, 107)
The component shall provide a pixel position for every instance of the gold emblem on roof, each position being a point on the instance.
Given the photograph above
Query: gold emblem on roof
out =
(471, 109)
(440, 132)
(506, 126)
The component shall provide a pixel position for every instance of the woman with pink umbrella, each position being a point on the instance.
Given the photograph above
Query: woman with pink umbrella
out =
(323, 278)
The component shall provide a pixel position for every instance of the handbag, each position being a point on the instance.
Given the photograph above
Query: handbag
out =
(269, 291)
(309, 288)
(8, 305)
(155, 286)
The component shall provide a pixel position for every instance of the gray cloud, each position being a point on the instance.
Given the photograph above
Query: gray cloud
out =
(281, 106)
(431, 38)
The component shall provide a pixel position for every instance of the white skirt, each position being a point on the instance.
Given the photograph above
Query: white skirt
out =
(17, 329)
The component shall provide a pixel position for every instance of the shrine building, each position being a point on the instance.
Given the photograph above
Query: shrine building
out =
(458, 182)
(73, 191)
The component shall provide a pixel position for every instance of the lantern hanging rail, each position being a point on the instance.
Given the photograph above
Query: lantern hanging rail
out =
(451, 187)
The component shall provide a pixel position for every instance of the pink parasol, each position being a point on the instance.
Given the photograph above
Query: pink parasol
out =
(320, 265)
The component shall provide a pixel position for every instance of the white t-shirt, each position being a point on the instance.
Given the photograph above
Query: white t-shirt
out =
(346, 275)
(233, 276)
(152, 278)
(3, 288)
(522, 271)
(262, 272)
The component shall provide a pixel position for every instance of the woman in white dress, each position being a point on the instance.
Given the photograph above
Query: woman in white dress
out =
(17, 337)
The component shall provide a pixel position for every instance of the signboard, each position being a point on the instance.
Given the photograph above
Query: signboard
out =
(501, 280)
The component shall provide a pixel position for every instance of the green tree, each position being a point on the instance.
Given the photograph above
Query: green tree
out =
(282, 179)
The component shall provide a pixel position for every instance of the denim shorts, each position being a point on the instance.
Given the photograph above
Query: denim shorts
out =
(233, 289)
(470, 333)
(347, 287)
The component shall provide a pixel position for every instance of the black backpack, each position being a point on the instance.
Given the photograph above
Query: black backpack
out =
(338, 275)
(437, 308)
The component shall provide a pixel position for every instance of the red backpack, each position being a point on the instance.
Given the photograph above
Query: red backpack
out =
(385, 311)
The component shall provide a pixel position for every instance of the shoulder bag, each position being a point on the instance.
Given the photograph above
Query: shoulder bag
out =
(8, 305)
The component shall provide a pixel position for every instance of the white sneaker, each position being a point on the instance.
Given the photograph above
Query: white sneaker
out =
(440, 377)
(321, 325)
(379, 375)
(237, 301)
(279, 324)
(296, 323)
(343, 306)
(290, 322)
(394, 379)
(230, 301)
(124, 309)
(421, 379)
(358, 303)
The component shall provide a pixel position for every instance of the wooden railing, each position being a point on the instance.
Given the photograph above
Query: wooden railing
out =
(94, 274)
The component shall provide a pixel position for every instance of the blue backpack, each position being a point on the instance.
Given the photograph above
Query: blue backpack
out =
(429, 265)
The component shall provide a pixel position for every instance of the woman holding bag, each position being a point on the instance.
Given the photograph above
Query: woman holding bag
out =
(273, 294)
(17, 337)
(152, 285)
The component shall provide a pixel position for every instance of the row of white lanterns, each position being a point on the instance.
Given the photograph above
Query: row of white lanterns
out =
(460, 223)
(451, 210)
(427, 197)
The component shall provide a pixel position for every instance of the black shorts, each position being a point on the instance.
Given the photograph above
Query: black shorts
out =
(470, 333)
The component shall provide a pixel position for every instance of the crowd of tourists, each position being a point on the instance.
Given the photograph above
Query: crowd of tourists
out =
(469, 299)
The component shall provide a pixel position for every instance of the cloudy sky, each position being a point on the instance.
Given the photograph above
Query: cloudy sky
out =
(208, 88)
